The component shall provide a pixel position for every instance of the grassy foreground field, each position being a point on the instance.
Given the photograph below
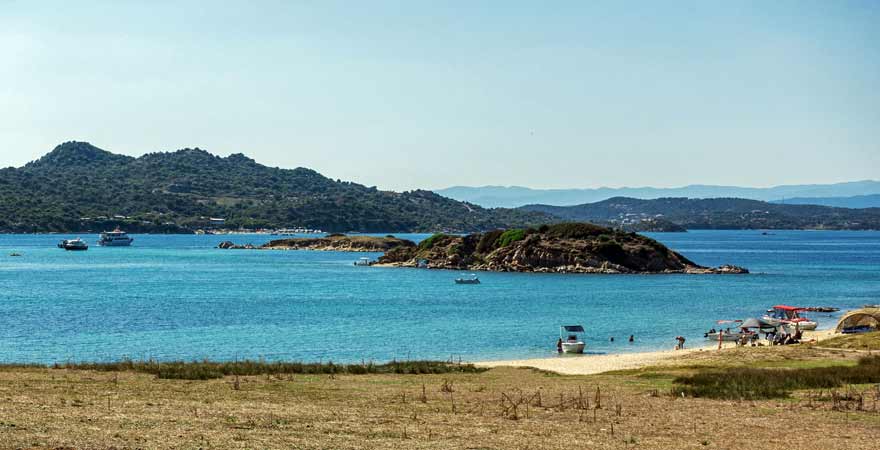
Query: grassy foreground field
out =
(503, 408)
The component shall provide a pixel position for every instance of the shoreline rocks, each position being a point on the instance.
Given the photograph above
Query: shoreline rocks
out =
(559, 248)
(333, 242)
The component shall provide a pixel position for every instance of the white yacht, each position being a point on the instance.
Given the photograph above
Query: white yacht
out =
(115, 238)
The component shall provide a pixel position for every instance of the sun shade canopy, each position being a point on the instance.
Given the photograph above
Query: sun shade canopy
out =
(789, 308)
(574, 328)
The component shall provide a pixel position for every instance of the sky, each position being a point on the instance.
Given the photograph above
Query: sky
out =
(430, 94)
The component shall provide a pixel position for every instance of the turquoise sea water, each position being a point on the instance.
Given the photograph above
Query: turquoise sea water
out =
(176, 297)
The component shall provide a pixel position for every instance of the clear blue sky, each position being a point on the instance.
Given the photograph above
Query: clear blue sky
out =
(410, 94)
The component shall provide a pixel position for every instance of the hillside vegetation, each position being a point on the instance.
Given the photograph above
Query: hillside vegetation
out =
(717, 213)
(79, 187)
(562, 247)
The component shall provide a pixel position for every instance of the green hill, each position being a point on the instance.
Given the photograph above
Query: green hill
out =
(716, 213)
(78, 187)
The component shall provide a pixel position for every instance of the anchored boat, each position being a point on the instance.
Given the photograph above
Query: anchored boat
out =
(364, 261)
(727, 334)
(571, 339)
(73, 244)
(115, 238)
(472, 280)
(790, 316)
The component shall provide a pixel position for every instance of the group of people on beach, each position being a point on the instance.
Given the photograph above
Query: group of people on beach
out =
(784, 338)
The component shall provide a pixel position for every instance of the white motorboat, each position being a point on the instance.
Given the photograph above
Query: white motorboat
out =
(571, 339)
(364, 261)
(115, 238)
(790, 317)
(73, 244)
(727, 334)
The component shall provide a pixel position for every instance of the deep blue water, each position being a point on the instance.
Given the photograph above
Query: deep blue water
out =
(176, 297)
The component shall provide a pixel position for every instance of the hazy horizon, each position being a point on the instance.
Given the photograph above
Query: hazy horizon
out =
(406, 95)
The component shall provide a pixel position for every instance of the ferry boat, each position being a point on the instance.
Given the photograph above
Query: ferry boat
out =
(73, 244)
(115, 238)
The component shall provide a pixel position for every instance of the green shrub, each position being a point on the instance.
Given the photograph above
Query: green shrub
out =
(511, 236)
(749, 383)
(574, 230)
(429, 242)
(205, 370)
(611, 250)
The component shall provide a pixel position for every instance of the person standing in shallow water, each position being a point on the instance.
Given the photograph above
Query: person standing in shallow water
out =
(632, 338)
(559, 346)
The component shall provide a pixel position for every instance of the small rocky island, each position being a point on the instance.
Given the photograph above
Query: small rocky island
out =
(558, 248)
(332, 242)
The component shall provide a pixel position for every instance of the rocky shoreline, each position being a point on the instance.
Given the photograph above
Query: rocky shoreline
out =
(559, 248)
(333, 242)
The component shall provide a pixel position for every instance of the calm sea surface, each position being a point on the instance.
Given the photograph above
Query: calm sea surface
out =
(176, 297)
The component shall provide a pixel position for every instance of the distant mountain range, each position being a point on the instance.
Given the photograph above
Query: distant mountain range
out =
(79, 188)
(515, 196)
(716, 213)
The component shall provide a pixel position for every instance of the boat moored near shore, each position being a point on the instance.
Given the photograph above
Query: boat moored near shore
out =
(472, 280)
(115, 238)
(790, 316)
(571, 339)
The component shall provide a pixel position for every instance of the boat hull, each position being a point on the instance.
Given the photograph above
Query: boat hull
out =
(116, 243)
(726, 337)
(573, 347)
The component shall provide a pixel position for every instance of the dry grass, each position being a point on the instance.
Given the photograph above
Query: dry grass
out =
(861, 341)
(499, 409)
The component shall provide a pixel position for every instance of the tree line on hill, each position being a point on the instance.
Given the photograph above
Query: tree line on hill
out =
(78, 187)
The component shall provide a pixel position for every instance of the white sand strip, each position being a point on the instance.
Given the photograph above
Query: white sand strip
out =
(592, 364)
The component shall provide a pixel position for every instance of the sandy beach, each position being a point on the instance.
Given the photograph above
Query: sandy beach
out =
(591, 364)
